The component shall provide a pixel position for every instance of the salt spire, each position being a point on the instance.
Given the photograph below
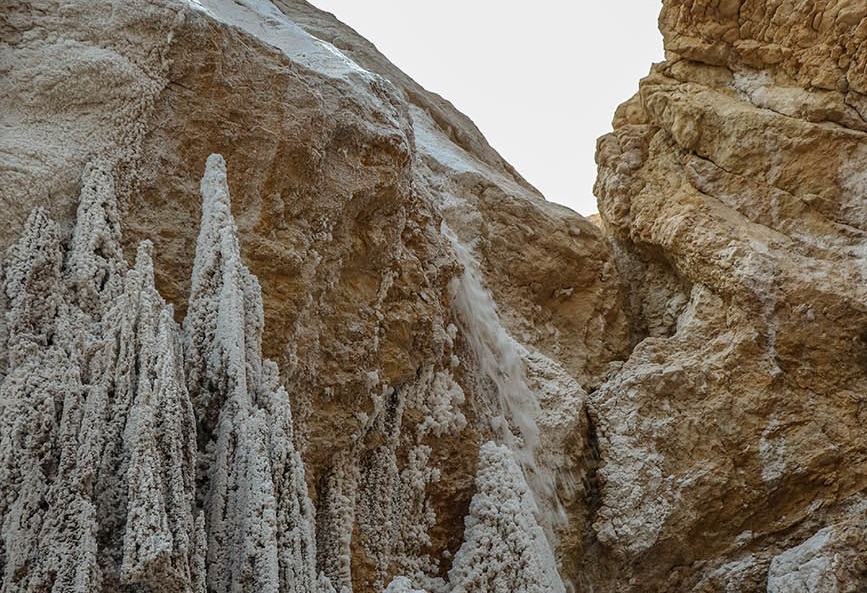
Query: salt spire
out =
(504, 547)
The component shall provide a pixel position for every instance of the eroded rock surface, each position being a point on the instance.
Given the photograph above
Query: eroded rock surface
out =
(387, 364)
(733, 191)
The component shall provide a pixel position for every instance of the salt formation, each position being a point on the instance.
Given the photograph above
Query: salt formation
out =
(685, 378)
(95, 368)
(258, 516)
(100, 488)
(178, 459)
(504, 550)
(513, 413)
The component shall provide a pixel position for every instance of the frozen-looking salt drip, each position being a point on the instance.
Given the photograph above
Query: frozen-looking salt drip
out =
(504, 547)
(159, 438)
(258, 518)
(32, 287)
(96, 257)
(516, 406)
(98, 447)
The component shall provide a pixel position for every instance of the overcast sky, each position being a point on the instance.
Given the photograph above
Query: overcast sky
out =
(540, 79)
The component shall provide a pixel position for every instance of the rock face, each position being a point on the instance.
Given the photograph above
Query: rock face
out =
(733, 190)
(388, 364)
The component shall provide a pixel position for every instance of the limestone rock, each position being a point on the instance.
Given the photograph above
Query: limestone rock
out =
(732, 189)
(387, 364)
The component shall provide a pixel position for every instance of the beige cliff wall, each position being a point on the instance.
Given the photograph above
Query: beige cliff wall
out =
(733, 190)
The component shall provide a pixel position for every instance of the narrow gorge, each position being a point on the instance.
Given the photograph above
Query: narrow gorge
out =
(277, 319)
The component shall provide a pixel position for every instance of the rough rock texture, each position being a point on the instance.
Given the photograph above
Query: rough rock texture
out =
(387, 363)
(352, 190)
(734, 191)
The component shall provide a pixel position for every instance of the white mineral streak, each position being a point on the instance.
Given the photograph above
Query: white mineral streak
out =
(504, 549)
(259, 520)
(512, 413)
(264, 21)
(805, 568)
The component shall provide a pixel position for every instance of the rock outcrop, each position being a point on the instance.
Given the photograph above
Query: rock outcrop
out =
(733, 191)
(387, 364)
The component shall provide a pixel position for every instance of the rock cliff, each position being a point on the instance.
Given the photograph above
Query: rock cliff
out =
(356, 351)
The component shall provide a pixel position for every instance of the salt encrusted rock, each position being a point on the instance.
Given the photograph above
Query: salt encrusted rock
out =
(259, 518)
(99, 433)
(33, 289)
(95, 261)
(681, 385)
(504, 548)
(732, 189)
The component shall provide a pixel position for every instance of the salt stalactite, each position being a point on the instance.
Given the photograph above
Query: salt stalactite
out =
(223, 326)
(33, 288)
(255, 483)
(504, 548)
(159, 439)
(96, 260)
(98, 446)
(335, 519)
(48, 519)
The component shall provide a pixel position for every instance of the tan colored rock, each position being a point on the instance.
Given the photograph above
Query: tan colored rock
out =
(733, 187)
(676, 390)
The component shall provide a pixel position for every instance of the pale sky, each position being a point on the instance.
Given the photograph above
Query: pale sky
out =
(540, 79)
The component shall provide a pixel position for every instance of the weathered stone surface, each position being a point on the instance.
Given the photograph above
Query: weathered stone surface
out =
(342, 171)
(668, 398)
(733, 190)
